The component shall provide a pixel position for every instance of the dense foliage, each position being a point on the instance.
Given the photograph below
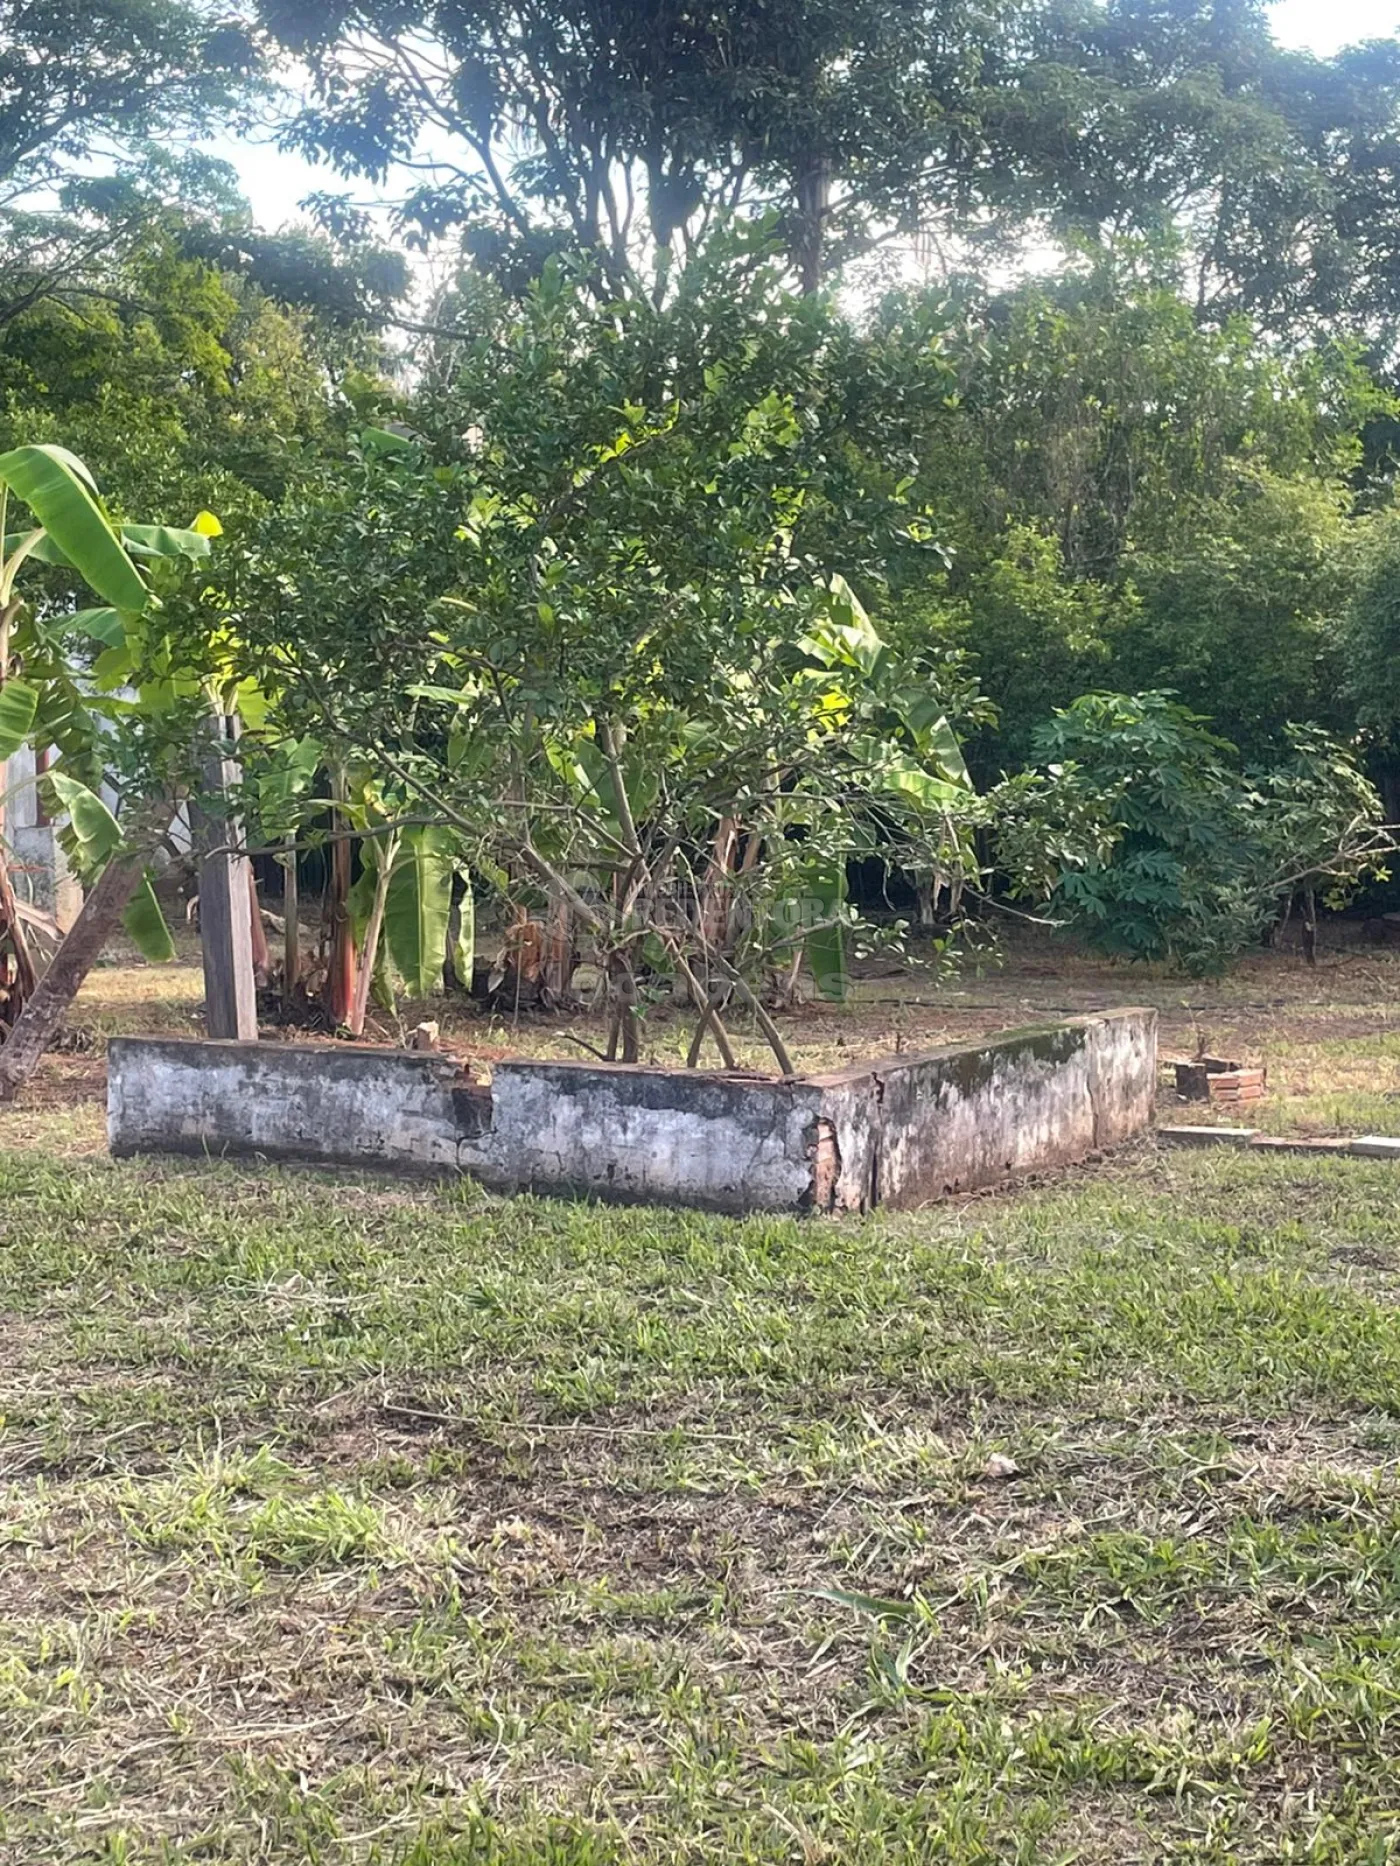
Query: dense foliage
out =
(671, 566)
(600, 618)
(1195, 856)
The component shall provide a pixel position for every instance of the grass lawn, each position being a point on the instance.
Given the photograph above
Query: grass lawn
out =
(345, 1519)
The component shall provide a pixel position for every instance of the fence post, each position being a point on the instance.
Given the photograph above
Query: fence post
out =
(225, 916)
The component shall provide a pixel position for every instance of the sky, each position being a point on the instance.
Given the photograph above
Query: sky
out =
(1323, 26)
(275, 182)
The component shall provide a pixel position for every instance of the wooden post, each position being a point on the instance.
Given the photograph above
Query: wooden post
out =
(225, 921)
(291, 938)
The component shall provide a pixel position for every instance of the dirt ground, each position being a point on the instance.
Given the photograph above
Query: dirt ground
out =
(1329, 1035)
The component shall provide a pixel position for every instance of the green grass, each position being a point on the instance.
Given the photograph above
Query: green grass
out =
(347, 1520)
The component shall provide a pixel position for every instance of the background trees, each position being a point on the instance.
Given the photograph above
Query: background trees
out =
(626, 130)
(1131, 499)
(660, 408)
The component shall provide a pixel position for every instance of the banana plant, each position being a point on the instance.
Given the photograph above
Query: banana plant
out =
(94, 837)
(901, 742)
(394, 925)
(73, 532)
(401, 912)
(43, 704)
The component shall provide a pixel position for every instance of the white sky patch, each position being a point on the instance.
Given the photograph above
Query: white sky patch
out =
(1325, 26)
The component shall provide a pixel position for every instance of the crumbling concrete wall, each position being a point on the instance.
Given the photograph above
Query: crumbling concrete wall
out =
(343, 1104)
(738, 1142)
(914, 1128)
(897, 1132)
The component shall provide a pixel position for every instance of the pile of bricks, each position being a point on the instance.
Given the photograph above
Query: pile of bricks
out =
(1210, 1078)
(1233, 1086)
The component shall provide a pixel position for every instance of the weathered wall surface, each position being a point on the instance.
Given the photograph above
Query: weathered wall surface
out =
(920, 1127)
(737, 1143)
(349, 1106)
(38, 866)
(897, 1133)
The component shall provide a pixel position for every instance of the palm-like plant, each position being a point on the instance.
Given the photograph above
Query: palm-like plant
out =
(45, 704)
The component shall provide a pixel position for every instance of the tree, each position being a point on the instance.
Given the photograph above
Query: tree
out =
(591, 621)
(1194, 856)
(1243, 618)
(631, 123)
(626, 129)
(99, 203)
(1369, 650)
(347, 286)
(88, 93)
(47, 704)
(1131, 499)
(80, 79)
(183, 386)
(1269, 173)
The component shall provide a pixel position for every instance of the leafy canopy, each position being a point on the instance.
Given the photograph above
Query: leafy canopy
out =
(1197, 856)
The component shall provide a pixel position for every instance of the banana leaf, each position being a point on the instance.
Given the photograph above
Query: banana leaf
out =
(94, 837)
(58, 490)
(18, 704)
(826, 948)
(464, 942)
(165, 541)
(419, 908)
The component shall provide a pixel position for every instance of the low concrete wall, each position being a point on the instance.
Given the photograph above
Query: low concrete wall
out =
(897, 1132)
(737, 1142)
(347, 1105)
(910, 1129)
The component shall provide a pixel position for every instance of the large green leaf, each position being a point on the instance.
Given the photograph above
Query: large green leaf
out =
(419, 907)
(826, 948)
(138, 541)
(932, 732)
(145, 924)
(66, 721)
(58, 491)
(464, 945)
(843, 635)
(94, 837)
(386, 441)
(18, 704)
(104, 625)
(284, 784)
(639, 775)
(94, 830)
(890, 769)
(164, 541)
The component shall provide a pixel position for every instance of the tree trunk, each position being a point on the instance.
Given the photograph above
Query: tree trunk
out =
(359, 1003)
(100, 917)
(558, 958)
(18, 981)
(623, 991)
(715, 896)
(339, 993)
(291, 937)
(812, 187)
(262, 958)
